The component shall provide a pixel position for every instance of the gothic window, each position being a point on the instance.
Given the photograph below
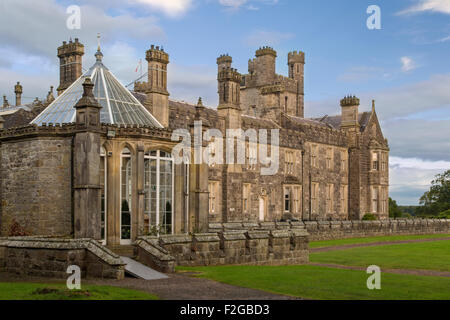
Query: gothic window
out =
(344, 161)
(246, 197)
(314, 162)
(159, 175)
(329, 158)
(384, 200)
(126, 196)
(286, 104)
(251, 155)
(330, 194)
(374, 199)
(375, 162)
(289, 162)
(287, 199)
(298, 199)
(384, 161)
(343, 197)
(212, 188)
(315, 197)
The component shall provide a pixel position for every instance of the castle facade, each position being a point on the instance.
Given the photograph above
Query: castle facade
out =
(97, 161)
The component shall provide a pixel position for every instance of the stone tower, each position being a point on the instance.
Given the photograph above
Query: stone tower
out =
(350, 124)
(229, 88)
(70, 63)
(264, 65)
(156, 90)
(296, 63)
(18, 91)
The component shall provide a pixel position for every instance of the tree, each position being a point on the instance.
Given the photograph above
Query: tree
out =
(394, 210)
(437, 199)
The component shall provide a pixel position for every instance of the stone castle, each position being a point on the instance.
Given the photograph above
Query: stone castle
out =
(96, 162)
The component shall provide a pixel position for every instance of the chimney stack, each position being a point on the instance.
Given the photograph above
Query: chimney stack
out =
(18, 91)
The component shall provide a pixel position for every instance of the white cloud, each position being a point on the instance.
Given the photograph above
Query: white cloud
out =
(235, 4)
(411, 177)
(408, 64)
(247, 4)
(264, 37)
(38, 30)
(444, 39)
(442, 6)
(171, 8)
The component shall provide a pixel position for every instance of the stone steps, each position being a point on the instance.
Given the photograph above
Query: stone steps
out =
(123, 250)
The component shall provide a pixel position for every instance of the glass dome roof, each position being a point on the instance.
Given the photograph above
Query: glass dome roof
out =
(119, 105)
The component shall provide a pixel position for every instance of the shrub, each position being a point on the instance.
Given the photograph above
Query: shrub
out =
(369, 217)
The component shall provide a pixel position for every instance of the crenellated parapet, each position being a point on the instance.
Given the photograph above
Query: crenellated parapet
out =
(296, 57)
(224, 59)
(157, 54)
(229, 74)
(264, 51)
(71, 48)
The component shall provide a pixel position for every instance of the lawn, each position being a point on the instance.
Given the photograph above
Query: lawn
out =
(40, 291)
(425, 255)
(340, 242)
(314, 282)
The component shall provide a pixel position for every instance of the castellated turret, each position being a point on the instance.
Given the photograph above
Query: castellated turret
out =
(263, 66)
(229, 89)
(156, 88)
(70, 63)
(296, 63)
(229, 81)
(224, 61)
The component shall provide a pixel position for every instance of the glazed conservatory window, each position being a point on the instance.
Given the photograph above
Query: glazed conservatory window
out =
(126, 193)
(103, 181)
(159, 174)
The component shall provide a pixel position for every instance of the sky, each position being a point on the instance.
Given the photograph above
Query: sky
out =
(404, 65)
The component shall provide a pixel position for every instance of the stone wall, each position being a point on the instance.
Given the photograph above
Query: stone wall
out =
(36, 185)
(241, 247)
(47, 257)
(329, 230)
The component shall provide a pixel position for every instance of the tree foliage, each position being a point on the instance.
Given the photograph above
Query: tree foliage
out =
(394, 210)
(437, 199)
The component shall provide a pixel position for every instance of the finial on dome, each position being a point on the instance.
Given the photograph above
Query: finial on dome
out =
(98, 54)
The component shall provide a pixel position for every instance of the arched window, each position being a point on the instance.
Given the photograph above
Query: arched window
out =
(159, 174)
(125, 196)
(103, 187)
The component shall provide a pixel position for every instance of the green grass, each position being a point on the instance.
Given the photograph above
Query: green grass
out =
(340, 242)
(327, 283)
(40, 291)
(424, 255)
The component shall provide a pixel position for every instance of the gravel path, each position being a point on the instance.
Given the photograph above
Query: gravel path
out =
(397, 271)
(373, 244)
(176, 287)
(183, 287)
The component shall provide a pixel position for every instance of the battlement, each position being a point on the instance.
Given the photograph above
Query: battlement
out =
(157, 54)
(350, 101)
(224, 58)
(264, 51)
(229, 74)
(296, 57)
(71, 48)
